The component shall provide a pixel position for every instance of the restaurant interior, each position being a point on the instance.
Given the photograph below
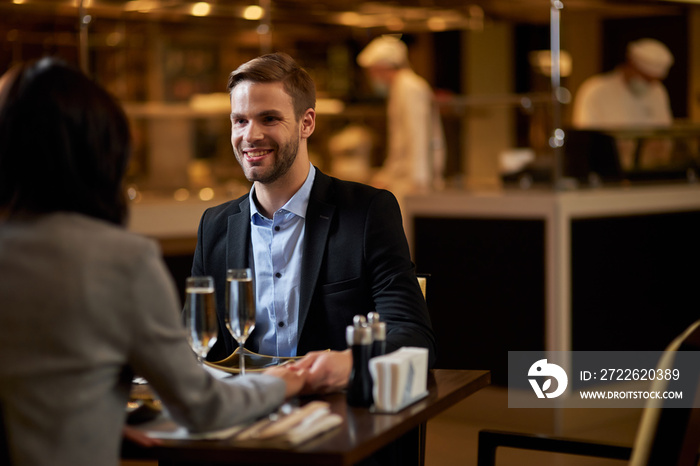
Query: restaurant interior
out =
(528, 246)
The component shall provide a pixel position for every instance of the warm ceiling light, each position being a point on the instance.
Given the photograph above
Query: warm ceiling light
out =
(253, 12)
(142, 6)
(349, 18)
(18, 2)
(201, 9)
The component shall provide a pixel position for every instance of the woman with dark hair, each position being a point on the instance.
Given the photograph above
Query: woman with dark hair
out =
(84, 304)
(65, 144)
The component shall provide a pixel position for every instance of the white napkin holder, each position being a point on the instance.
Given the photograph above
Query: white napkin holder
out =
(399, 379)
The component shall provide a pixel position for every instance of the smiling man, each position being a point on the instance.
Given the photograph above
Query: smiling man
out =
(322, 249)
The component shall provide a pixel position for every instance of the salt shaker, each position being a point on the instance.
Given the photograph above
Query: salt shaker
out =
(378, 334)
(359, 338)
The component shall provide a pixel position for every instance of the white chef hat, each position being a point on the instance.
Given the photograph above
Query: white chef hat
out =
(384, 50)
(650, 56)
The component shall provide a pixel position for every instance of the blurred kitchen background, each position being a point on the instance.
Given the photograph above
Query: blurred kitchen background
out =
(488, 61)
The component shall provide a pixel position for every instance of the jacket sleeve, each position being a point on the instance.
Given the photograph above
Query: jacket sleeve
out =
(160, 353)
(395, 290)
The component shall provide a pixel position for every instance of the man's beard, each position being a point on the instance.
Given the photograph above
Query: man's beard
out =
(286, 154)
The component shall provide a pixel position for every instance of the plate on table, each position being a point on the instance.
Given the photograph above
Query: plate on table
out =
(254, 362)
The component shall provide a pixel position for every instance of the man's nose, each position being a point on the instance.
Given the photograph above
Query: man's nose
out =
(253, 132)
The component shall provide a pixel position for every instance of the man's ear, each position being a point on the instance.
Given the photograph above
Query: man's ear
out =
(308, 123)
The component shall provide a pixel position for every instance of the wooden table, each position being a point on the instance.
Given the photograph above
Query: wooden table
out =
(361, 434)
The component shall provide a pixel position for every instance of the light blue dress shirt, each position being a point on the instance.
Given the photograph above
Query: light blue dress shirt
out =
(276, 253)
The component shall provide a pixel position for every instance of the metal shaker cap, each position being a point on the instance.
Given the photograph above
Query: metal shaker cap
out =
(378, 328)
(359, 333)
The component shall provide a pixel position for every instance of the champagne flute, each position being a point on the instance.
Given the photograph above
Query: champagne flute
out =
(200, 315)
(240, 308)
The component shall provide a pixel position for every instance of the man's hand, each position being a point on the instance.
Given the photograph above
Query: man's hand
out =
(326, 371)
(294, 379)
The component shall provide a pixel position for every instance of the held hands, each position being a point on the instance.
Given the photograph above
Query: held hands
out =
(294, 380)
(326, 371)
(318, 372)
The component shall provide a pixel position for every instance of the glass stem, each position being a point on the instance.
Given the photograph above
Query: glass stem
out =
(241, 359)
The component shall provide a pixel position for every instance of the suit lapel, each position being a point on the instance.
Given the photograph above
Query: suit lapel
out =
(238, 236)
(319, 215)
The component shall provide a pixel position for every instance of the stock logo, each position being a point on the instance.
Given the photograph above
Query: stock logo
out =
(543, 369)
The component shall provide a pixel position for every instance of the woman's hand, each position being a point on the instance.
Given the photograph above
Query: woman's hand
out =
(294, 380)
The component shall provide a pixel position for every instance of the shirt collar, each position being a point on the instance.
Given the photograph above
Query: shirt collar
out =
(298, 202)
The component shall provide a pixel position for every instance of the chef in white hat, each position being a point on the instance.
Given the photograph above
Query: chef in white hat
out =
(416, 147)
(630, 96)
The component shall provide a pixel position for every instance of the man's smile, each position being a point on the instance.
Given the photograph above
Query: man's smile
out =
(253, 155)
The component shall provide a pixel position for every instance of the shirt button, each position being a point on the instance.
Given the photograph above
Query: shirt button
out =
(278, 275)
(281, 324)
(277, 228)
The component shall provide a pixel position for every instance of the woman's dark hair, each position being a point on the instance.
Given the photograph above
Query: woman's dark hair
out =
(64, 143)
(279, 67)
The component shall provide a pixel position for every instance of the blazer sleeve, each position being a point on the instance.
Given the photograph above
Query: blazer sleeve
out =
(395, 291)
(160, 353)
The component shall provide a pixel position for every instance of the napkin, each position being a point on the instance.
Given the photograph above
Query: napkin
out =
(399, 378)
(296, 427)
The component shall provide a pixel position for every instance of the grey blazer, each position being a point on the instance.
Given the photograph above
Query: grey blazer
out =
(83, 306)
(356, 260)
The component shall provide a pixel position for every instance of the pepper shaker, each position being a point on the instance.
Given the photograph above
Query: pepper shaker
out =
(359, 338)
(378, 334)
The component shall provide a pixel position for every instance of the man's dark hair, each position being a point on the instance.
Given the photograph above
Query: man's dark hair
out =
(64, 143)
(279, 67)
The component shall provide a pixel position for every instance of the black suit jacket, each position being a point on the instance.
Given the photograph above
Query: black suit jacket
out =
(356, 260)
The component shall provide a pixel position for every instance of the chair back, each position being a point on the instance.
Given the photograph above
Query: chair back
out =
(671, 436)
(423, 283)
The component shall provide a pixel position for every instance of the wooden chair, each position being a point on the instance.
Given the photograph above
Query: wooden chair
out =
(665, 436)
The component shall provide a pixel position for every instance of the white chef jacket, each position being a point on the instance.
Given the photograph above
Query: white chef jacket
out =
(605, 101)
(416, 142)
